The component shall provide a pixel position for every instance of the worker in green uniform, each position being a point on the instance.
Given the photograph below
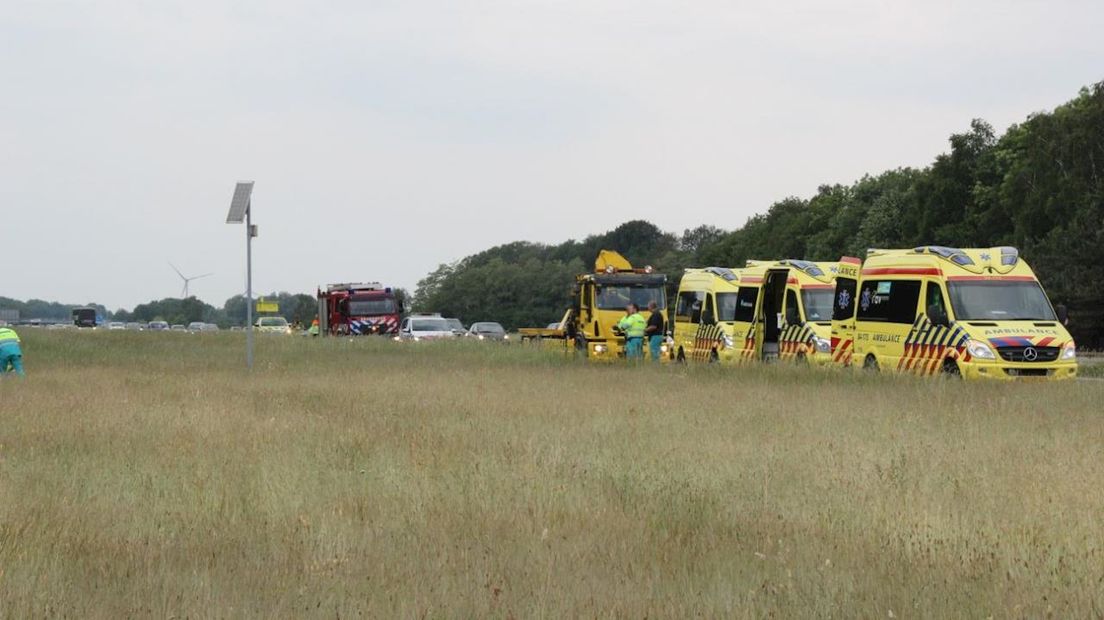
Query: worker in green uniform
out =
(11, 355)
(633, 326)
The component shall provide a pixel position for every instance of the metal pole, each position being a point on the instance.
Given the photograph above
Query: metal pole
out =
(249, 288)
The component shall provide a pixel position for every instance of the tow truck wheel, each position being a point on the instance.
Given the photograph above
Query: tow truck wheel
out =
(950, 369)
(870, 363)
(681, 357)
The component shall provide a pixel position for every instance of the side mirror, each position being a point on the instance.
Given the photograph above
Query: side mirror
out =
(1063, 313)
(938, 316)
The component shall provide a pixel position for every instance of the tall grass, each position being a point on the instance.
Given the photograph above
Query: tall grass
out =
(150, 474)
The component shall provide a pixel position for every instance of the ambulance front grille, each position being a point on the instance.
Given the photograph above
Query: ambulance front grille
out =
(1020, 354)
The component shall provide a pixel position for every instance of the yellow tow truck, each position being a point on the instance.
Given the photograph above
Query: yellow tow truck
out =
(598, 302)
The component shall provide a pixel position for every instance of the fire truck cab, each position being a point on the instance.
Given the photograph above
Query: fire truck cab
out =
(356, 309)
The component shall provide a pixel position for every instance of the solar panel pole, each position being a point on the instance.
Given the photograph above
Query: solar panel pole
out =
(249, 287)
(241, 209)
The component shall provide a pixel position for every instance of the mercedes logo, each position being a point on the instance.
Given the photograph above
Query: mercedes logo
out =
(1030, 354)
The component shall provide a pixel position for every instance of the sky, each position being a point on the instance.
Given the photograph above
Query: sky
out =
(388, 137)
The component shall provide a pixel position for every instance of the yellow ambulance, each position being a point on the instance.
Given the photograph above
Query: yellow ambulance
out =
(977, 313)
(769, 310)
(792, 321)
(706, 311)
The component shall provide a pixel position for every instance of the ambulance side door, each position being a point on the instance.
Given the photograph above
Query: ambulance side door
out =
(843, 311)
(747, 305)
(886, 313)
(688, 309)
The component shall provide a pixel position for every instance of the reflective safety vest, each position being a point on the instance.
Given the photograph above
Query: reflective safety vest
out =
(633, 325)
(8, 336)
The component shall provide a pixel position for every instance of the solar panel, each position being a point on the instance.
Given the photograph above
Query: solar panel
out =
(240, 203)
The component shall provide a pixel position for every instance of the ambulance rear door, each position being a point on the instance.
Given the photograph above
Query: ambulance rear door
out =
(843, 310)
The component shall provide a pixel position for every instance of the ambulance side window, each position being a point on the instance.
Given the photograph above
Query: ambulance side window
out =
(934, 306)
(745, 303)
(708, 315)
(689, 307)
(793, 314)
(889, 301)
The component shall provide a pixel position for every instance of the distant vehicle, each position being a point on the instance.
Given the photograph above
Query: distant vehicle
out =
(235, 328)
(457, 327)
(116, 325)
(273, 325)
(356, 309)
(135, 326)
(487, 330)
(84, 317)
(178, 328)
(418, 328)
(158, 326)
(210, 327)
(196, 326)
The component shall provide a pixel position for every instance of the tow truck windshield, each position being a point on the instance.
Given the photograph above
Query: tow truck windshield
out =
(999, 300)
(617, 297)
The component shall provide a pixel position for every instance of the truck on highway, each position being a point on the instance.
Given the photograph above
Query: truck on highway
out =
(598, 302)
(84, 317)
(358, 309)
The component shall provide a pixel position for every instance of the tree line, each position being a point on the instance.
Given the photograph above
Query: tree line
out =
(1039, 187)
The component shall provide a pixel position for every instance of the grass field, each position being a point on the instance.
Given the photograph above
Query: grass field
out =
(149, 474)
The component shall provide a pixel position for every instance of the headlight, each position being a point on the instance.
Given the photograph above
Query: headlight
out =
(728, 343)
(663, 348)
(823, 345)
(396, 339)
(599, 348)
(980, 350)
(506, 337)
(417, 339)
(481, 336)
(1069, 351)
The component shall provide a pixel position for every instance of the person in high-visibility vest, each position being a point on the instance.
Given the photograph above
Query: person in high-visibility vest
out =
(633, 326)
(11, 354)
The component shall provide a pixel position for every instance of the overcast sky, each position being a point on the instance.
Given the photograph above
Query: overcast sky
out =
(387, 137)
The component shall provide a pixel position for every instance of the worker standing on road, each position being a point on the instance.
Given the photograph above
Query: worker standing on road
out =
(11, 354)
(633, 326)
(656, 330)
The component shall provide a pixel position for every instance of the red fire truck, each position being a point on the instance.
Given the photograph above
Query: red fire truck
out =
(353, 309)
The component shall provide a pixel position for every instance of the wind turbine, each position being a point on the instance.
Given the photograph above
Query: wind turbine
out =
(186, 279)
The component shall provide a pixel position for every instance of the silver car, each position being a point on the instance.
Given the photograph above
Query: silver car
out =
(424, 328)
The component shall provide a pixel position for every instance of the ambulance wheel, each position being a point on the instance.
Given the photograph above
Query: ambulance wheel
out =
(870, 363)
(713, 357)
(681, 357)
(801, 359)
(950, 369)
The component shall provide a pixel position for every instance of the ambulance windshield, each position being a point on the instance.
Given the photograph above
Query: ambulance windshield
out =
(617, 297)
(999, 300)
(818, 304)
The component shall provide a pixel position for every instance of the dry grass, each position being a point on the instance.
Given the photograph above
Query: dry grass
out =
(147, 474)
